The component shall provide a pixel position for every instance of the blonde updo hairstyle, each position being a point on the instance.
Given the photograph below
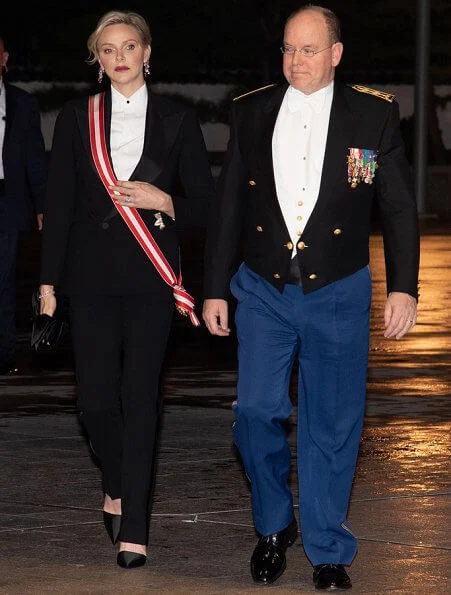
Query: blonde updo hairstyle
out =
(117, 17)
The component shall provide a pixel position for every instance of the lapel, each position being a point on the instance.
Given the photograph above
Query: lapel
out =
(339, 139)
(10, 109)
(159, 135)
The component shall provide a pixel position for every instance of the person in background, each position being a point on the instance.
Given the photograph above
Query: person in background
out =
(23, 176)
(306, 160)
(128, 170)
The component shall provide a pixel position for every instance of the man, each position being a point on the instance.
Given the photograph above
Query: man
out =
(305, 161)
(23, 173)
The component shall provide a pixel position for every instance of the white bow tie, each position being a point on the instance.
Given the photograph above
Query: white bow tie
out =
(298, 101)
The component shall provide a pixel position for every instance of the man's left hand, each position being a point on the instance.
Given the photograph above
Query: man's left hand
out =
(400, 314)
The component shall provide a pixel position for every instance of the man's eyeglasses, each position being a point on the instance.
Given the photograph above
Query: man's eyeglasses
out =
(307, 52)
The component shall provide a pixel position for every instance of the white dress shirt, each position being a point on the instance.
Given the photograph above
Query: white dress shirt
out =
(128, 120)
(298, 147)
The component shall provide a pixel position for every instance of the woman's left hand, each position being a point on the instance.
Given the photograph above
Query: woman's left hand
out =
(142, 195)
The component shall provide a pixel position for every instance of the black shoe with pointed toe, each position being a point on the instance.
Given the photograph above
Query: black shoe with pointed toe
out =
(112, 524)
(331, 577)
(268, 561)
(131, 559)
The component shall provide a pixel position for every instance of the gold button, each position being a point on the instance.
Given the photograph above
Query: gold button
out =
(276, 276)
(259, 228)
(300, 203)
(299, 233)
(289, 246)
(312, 276)
(301, 245)
(252, 183)
(299, 217)
(337, 231)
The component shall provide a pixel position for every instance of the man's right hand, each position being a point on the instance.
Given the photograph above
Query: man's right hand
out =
(216, 317)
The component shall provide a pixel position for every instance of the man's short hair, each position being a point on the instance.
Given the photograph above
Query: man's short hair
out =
(332, 21)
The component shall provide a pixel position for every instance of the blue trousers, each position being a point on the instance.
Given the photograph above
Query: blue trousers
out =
(8, 254)
(328, 331)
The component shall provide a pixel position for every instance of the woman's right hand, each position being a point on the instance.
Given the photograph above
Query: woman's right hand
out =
(47, 300)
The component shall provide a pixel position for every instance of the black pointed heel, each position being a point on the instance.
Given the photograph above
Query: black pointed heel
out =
(112, 524)
(131, 559)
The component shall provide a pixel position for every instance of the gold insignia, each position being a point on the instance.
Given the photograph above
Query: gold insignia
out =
(381, 94)
(254, 91)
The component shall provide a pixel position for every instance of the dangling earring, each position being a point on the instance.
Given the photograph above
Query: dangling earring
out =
(100, 75)
(146, 68)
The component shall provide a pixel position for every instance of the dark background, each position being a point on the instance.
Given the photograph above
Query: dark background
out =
(225, 40)
(230, 41)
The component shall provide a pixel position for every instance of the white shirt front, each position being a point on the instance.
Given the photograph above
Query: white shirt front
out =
(128, 121)
(2, 126)
(298, 147)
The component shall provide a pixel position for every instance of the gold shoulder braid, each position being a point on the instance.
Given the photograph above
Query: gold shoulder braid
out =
(381, 94)
(254, 91)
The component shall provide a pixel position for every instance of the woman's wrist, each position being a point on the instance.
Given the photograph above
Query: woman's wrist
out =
(45, 291)
(169, 206)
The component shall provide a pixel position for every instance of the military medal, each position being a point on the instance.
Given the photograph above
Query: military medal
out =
(361, 166)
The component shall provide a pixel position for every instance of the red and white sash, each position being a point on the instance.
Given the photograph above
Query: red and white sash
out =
(184, 302)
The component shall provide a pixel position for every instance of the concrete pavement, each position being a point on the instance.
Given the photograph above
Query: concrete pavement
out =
(51, 534)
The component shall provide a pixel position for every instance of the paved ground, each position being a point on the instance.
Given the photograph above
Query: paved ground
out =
(51, 534)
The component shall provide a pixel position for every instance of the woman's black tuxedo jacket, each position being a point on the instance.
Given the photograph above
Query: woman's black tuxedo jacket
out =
(246, 220)
(87, 247)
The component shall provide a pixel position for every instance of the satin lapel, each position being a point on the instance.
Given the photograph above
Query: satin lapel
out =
(10, 108)
(263, 147)
(153, 156)
(161, 133)
(107, 120)
(83, 124)
(339, 135)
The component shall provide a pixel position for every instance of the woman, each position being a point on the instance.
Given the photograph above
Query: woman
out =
(117, 164)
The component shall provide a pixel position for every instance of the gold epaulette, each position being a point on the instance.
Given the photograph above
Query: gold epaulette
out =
(381, 94)
(254, 91)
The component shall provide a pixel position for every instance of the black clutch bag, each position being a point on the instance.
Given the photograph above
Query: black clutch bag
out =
(47, 331)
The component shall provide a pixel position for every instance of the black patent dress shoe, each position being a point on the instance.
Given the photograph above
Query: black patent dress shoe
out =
(131, 559)
(268, 561)
(331, 577)
(112, 524)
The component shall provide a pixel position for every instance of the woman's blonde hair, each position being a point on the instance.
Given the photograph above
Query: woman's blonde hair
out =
(117, 17)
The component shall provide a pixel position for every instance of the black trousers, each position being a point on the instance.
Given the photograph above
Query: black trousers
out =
(8, 255)
(119, 345)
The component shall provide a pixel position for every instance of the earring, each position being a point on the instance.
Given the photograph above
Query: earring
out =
(146, 68)
(100, 75)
